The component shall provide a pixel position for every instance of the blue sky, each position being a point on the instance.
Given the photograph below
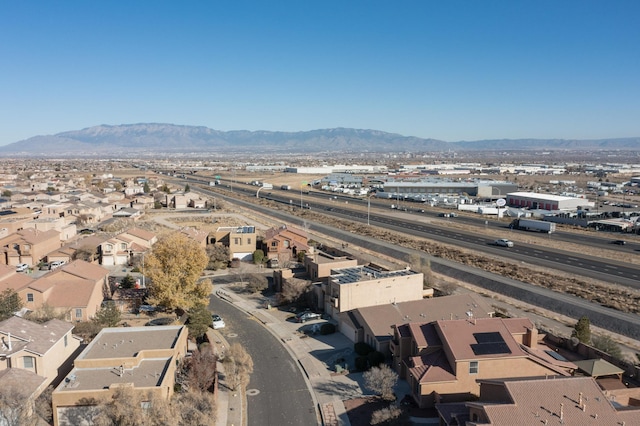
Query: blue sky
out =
(451, 70)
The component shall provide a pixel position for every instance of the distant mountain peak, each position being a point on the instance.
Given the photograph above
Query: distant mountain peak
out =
(162, 138)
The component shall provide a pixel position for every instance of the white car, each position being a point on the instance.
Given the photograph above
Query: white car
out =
(217, 322)
(503, 242)
(56, 264)
(22, 267)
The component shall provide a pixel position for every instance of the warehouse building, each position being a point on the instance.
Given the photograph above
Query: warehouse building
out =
(532, 200)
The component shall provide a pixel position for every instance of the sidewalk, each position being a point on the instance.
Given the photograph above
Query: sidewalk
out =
(230, 404)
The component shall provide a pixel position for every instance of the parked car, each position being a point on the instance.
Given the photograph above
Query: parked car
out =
(22, 267)
(503, 242)
(217, 322)
(306, 316)
(56, 264)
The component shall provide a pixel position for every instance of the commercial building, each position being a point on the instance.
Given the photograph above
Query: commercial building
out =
(535, 201)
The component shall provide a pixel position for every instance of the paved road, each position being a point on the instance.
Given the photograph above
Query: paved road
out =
(277, 394)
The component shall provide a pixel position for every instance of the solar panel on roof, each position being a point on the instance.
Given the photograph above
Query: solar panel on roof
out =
(556, 355)
(490, 343)
(489, 337)
(490, 348)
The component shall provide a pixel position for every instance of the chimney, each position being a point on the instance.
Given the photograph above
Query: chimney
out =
(580, 398)
(561, 411)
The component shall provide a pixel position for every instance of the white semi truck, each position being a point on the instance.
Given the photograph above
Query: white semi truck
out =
(534, 225)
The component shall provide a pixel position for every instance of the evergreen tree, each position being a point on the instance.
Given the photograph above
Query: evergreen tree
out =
(582, 330)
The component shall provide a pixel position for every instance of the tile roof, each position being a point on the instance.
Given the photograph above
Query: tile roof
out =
(38, 338)
(460, 336)
(571, 401)
(71, 293)
(380, 318)
(15, 282)
(141, 233)
(21, 380)
(83, 269)
(432, 368)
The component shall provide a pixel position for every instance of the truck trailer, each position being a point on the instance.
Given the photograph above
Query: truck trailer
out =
(534, 225)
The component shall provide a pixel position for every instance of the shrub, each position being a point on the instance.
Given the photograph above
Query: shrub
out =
(327, 328)
(362, 348)
(375, 358)
(258, 257)
(362, 363)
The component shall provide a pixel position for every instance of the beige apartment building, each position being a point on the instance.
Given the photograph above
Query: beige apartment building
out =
(319, 264)
(362, 286)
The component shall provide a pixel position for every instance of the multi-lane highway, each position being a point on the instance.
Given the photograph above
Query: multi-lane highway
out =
(413, 222)
(410, 224)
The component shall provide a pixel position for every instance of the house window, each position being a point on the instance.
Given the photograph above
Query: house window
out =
(286, 244)
(29, 297)
(473, 367)
(78, 312)
(108, 248)
(248, 240)
(274, 244)
(123, 246)
(28, 362)
(236, 241)
(66, 340)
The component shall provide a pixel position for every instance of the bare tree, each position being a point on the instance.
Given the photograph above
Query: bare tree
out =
(201, 369)
(294, 289)
(195, 408)
(256, 283)
(238, 366)
(123, 409)
(218, 256)
(16, 406)
(381, 380)
(45, 313)
(391, 415)
(85, 253)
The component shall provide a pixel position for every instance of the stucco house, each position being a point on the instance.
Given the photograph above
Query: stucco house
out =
(447, 359)
(241, 240)
(75, 289)
(42, 349)
(143, 359)
(28, 246)
(569, 401)
(283, 243)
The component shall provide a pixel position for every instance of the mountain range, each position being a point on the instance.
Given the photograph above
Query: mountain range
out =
(157, 138)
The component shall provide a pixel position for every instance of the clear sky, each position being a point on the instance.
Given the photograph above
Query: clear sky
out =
(449, 69)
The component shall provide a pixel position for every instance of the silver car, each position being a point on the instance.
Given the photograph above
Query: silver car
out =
(503, 242)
